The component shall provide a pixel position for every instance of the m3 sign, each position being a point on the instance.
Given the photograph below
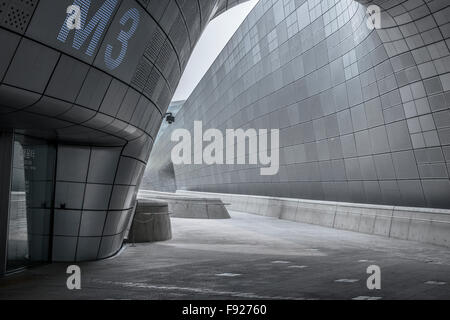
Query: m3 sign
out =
(92, 31)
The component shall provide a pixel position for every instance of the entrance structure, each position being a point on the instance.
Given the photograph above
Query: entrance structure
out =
(84, 85)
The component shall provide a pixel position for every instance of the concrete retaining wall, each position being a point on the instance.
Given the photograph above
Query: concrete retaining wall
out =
(188, 206)
(416, 224)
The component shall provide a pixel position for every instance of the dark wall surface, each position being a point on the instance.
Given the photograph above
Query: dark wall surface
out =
(99, 94)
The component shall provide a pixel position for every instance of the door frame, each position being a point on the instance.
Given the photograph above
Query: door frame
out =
(6, 160)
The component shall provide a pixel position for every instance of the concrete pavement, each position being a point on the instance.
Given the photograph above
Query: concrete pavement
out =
(250, 257)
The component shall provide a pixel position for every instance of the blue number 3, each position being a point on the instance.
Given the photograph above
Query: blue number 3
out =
(123, 38)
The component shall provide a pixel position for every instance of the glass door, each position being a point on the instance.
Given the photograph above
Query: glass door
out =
(31, 199)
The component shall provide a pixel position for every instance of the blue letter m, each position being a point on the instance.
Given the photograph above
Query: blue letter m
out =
(97, 23)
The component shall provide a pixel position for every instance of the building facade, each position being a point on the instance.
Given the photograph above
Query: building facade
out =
(84, 86)
(363, 112)
(161, 175)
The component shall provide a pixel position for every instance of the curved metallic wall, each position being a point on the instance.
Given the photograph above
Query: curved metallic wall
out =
(364, 115)
(161, 175)
(99, 93)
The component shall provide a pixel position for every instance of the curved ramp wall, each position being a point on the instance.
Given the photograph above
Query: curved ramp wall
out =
(363, 114)
(414, 224)
(189, 207)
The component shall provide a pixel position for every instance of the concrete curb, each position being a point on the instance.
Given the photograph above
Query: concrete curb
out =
(416, 224)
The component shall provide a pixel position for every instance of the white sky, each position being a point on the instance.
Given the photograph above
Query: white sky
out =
(214, 38)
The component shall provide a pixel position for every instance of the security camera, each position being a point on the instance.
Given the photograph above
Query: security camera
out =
(170, 118)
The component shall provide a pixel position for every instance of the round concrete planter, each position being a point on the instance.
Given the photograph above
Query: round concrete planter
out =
(151, 222)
